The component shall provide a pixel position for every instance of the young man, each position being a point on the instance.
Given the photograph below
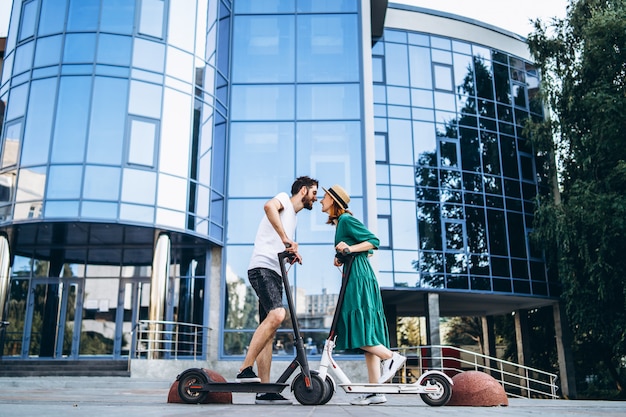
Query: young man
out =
(275, 233)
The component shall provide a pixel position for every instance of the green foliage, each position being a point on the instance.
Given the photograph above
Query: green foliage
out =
(582, 226)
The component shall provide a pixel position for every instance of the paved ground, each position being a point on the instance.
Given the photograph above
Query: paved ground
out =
(96, 397)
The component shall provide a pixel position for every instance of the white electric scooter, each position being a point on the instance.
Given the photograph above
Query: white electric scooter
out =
(434, 387)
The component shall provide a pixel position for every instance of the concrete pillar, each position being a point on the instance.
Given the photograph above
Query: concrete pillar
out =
(522, 339)
(567, 377)
(214, 302)
(489, 344)
(158, 293)
(433, 336)
(5, 280)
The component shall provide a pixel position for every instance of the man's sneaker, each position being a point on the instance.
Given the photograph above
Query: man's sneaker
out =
(367, 399)
(247, 375)
(271, 398)
(391, 366)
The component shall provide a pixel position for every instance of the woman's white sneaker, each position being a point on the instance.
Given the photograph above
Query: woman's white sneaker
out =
(367, 399)
(390, 367)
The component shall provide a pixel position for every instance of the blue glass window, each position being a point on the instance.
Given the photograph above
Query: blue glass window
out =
(148, 55)
(38, 127)
(378, 69)
(182, 24)
(329, 101)
(108, 118)
(70, 127)
(101, 183)
(98, 210)
(397, 65)
(328, 151)
(30, 187)
(138, 186)
(327, 6)
(145, 99)
(263, 49)
(256, 146)
(151, 16)
(61, 209)
(17, 102)
(64, 182)
(48, 51)
(23, 58)
(443, 77)
(266, 6)
(28, 17)
(52, 17)
(83, 15)
(326, 48)
(118, 16)
(263, 102)
(142, 139)
(79, 48)
(11, 144)
(113, 50)
(420, 67)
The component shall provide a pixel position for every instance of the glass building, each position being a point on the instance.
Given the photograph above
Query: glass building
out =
(141, 138)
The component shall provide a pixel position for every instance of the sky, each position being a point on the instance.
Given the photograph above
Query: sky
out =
(513, 16)
(506, 14)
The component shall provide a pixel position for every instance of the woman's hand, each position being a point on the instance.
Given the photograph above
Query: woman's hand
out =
(342, 246)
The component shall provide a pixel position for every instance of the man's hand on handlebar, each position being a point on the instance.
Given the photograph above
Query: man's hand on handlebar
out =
(292, 247)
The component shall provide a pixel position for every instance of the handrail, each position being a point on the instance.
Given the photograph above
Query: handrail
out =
(517, 380)
(167, 339)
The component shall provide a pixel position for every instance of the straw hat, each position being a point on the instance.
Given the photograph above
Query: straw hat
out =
(338, 194)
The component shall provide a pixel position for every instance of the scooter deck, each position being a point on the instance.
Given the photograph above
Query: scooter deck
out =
(240, 387)
(387, 388)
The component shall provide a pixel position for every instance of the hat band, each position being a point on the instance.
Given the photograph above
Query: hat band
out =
(338, 199)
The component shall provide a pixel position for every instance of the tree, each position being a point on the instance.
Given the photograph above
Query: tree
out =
(582, 225)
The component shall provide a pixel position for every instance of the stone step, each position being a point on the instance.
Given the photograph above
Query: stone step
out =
(28, 368)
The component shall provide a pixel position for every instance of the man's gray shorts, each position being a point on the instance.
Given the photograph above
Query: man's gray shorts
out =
(269, 288)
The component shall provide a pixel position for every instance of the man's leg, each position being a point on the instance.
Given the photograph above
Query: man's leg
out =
(264, 360)
(260, 349)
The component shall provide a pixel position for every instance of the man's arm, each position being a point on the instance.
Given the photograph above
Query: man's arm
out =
(272, 210)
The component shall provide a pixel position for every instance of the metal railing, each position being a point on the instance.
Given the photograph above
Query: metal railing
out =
(153, 339)
(517, 380)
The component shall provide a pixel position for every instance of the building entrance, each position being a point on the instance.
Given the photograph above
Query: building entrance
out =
(72, 317)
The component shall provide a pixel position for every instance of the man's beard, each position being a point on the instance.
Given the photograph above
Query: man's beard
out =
(307, 203)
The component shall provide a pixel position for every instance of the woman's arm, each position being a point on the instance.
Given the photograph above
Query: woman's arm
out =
(359, 247)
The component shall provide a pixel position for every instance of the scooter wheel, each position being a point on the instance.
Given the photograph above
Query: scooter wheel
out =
(188, 379)
(443, 393)
(313, 396)
(330, 389)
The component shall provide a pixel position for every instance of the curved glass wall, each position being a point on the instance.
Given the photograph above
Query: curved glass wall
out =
(115, 127)
(454, 165)
(115, 112)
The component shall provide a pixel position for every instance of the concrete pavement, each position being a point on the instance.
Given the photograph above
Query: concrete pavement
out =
(103, 397)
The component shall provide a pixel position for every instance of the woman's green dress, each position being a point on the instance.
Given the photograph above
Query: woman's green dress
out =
(362, 320)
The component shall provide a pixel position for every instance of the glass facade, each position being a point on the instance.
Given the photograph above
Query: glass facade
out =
(127, 120)
(114, 133)
(453, 164)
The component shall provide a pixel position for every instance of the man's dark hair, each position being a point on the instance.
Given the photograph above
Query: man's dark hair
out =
(303, 181)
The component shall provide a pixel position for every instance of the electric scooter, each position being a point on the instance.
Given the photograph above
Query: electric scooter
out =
(434, 387)
(308, 388)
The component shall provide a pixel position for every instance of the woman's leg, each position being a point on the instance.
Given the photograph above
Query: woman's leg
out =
(373, 355)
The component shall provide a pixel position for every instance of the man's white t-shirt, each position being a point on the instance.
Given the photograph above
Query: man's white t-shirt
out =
(267, 244)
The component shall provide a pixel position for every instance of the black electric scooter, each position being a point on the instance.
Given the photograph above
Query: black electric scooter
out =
(308, 388)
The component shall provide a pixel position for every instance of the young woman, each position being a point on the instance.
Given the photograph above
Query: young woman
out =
(362, 323)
